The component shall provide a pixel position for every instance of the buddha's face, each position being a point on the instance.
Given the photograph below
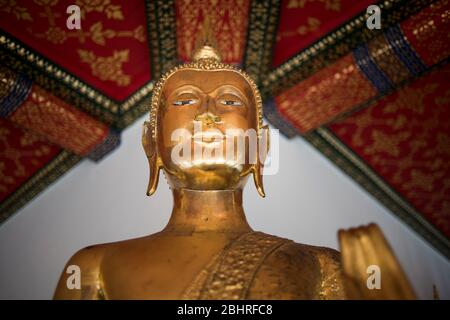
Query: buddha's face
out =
(198, 112)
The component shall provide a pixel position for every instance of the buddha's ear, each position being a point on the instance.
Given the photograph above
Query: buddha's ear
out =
(263, 143)
(263, 149)
(154, 161)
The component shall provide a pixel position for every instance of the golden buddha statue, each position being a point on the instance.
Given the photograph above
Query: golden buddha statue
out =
(208, 250)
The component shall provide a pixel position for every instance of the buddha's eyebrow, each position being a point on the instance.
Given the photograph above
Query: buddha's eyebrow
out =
(182, 90)
(230, 89)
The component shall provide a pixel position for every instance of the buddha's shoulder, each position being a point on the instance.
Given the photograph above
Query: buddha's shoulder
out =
(299, 271)
(88, 257)
(93, 255)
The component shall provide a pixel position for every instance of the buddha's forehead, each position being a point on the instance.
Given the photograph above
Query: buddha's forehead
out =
(207, 81)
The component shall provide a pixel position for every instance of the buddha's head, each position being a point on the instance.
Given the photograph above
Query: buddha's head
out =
(205, 129)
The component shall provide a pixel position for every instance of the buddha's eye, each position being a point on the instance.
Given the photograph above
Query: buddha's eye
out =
(231, 103)
(184, 102)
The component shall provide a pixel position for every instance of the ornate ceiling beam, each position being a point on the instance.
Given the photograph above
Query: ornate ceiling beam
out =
(22, 59)
(372, 70)
(162, 41)
(33, 108)
(335, 45)
(261, 34)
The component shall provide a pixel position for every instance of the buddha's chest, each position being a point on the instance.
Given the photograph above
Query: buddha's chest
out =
(173, 274)
(152, 276)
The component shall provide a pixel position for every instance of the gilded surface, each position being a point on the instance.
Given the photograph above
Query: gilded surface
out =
(224, 280)
(366, 246)
(251, 266)
(207, 250)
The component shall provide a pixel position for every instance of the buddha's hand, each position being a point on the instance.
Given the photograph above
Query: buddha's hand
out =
(370, 268)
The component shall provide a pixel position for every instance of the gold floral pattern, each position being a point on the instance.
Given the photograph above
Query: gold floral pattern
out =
(386, 143)
(111, 11)
(406, 140)
(96, 34)
(55, 35)
(108, 68)
(93, 33)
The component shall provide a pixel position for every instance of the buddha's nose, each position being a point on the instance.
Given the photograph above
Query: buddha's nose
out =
(208, 118)
(207, 115)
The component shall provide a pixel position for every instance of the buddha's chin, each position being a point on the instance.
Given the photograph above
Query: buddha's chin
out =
(215, 176)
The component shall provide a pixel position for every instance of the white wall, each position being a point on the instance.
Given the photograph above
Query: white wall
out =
(307, 201)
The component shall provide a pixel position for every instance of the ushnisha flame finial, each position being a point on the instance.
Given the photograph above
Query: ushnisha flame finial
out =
(205, 45)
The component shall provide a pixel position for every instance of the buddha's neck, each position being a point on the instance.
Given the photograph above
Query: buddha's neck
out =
(203, 211)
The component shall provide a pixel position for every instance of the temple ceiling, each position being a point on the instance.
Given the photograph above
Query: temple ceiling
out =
(374, 102)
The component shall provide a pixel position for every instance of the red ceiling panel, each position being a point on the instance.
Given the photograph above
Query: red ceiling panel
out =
(227, 19)
(21, 154)
(405, 138)
(302, 22)
(109, 52)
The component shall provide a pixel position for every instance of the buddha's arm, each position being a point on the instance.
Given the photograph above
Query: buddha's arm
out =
(88, 261)
(298, 272)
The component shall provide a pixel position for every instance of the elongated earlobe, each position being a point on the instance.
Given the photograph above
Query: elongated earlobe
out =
(258, 179)
(155, 166)
(154, 161)
(257, 169)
